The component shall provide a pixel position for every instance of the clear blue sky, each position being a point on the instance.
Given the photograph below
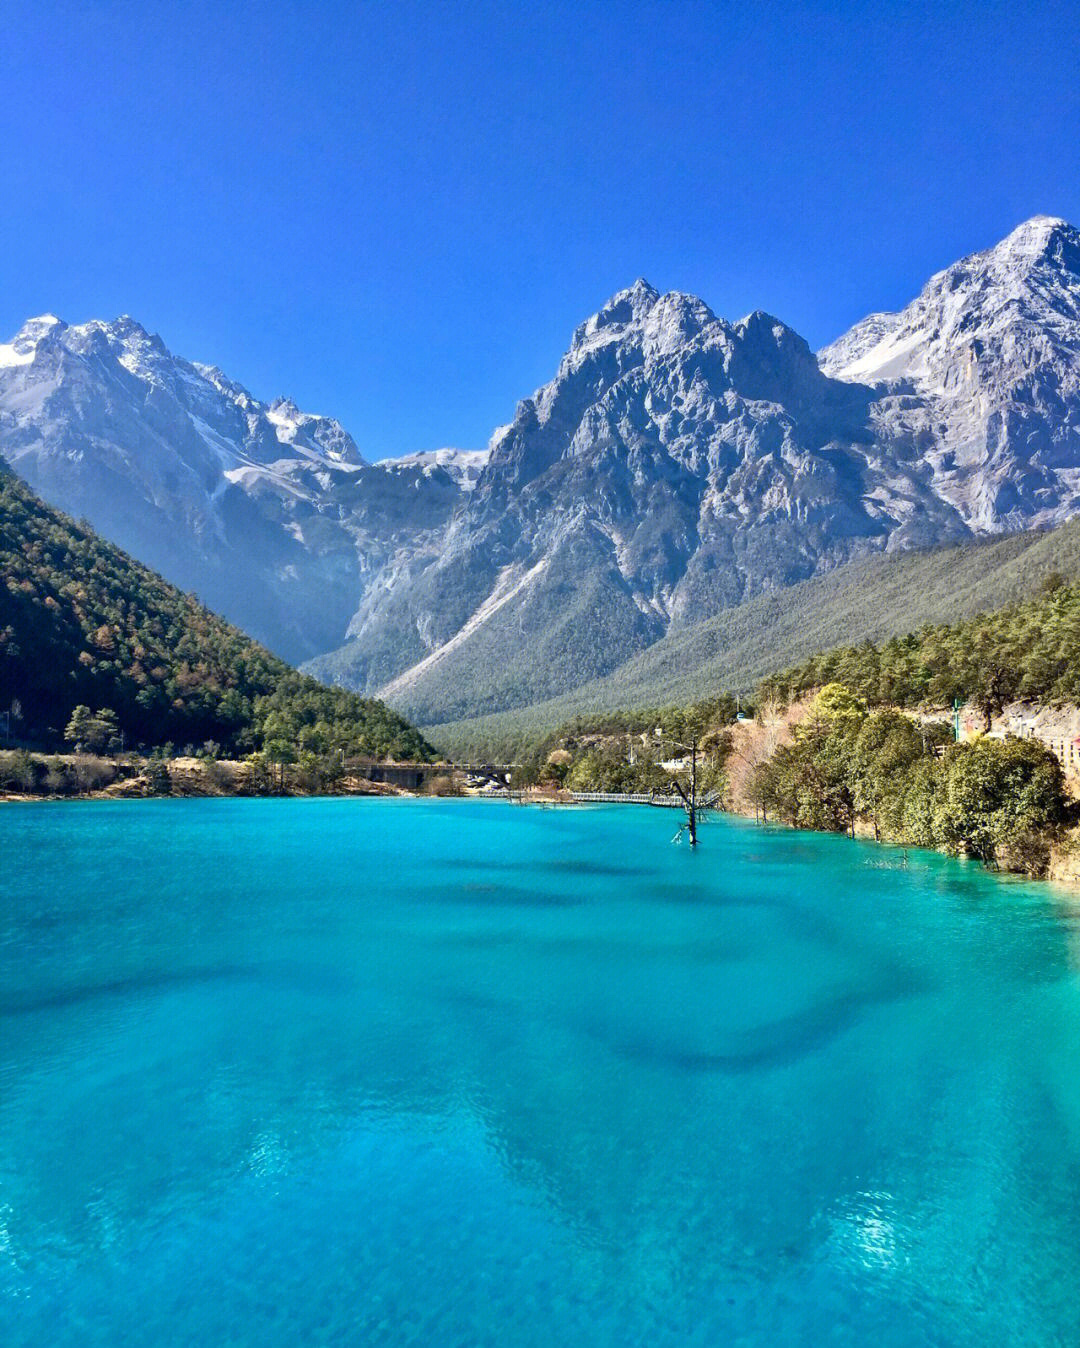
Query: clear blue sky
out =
(398, 212)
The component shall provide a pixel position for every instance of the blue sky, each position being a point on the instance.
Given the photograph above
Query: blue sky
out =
(397, 213)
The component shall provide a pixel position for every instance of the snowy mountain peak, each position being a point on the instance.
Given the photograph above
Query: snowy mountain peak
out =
(973, 314)
(624, 310)
(642, 319)
(641, 295)
(22, 347)
(113, 390)
(236, 393)
(141, 352)
(126, 326)
(36, 328)
(1040, 237)
(762, 325)
(463, 466)
(312, 433)
(992, 347)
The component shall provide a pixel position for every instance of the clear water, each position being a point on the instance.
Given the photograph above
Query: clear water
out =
(451, 1073)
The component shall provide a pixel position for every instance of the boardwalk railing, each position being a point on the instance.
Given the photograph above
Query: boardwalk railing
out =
(626, 798)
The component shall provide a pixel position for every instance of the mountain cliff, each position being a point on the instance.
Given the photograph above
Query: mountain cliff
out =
(271, 514)
(676, 464)
(988, 356)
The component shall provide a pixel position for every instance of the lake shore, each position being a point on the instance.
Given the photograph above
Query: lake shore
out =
(92, 777)
(95, 777)
(191, 778)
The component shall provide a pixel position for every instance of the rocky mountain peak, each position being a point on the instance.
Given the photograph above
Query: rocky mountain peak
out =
(625, 310)
(139, 351)
(763, 335)
(640, 315)
(974, 315)
(126, 326)
(23, 346)
(1043, 238)
(770, 362)
(992, 347)
(311, 432)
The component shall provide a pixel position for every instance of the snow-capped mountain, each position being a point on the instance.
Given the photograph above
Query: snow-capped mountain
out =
(463, 465)
(201, 411)
(678, 463)
(991, 349)
(271, 514)
(675, 464)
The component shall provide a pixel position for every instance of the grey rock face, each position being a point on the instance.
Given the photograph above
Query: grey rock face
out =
(987, 360)
(272, 515)
(675, 465)
(707, 462)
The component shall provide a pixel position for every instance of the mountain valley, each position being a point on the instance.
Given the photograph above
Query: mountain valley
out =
(677, 468)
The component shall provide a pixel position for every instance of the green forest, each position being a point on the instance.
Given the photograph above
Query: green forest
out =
(858, 759)
(83, 626)
(873, 598)
(1000, 800)
(1026, 650)
(623, 751)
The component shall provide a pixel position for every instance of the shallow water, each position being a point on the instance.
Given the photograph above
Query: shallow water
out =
(461, 1073)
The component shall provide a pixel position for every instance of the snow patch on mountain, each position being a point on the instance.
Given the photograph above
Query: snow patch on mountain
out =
(987, 359)
(463, 466)
(22, 347)
(1030, 280)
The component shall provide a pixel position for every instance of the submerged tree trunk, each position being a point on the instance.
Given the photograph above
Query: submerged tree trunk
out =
(689, 799)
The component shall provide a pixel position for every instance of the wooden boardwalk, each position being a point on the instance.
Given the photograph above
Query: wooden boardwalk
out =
(626, 798)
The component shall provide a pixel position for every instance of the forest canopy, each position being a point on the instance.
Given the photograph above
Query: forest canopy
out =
(84, 625)
(1027, 650)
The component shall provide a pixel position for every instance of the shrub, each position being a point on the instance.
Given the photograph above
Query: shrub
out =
(90, 773)
(18, 771)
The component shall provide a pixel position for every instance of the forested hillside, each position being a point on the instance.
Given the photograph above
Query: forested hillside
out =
(876, 599)
(1001, 800)
(1026, 650)
(82, 624)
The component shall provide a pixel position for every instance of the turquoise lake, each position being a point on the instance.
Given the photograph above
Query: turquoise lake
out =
(465, 1073)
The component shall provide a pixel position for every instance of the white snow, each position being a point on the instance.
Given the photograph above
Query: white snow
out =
(285, 418)
(22, 348)
(463, 465)
(9, 355)
(983, 299)
(888, 359)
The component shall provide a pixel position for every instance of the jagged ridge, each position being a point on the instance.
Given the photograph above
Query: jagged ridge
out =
(676, 464)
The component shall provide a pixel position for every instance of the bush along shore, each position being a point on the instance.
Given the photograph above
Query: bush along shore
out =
(845, 768)
(829, 762)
